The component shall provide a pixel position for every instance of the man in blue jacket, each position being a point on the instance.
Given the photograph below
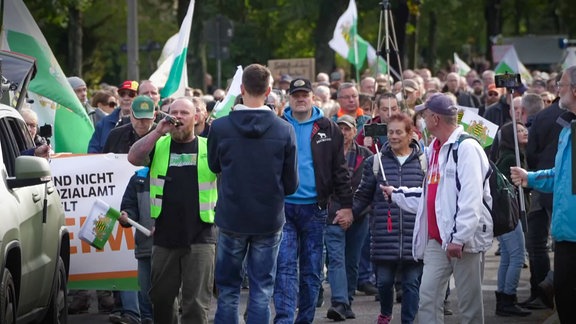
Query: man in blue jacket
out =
(255, 153)
(558, 180)
(323, 173)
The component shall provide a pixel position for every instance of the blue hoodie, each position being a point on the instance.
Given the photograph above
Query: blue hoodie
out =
(306, 192)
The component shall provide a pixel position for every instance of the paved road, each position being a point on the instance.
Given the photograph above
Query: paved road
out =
(367, 309)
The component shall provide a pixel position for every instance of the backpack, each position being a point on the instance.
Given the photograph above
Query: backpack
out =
(505, 209)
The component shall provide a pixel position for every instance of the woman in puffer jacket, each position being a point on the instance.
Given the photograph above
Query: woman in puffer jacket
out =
(391, 228)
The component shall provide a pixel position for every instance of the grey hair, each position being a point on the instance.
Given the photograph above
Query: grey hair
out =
(532, 103)
(345, 85)
(571, 71)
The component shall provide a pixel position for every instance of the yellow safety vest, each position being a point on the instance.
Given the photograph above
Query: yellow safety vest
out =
(207, 192)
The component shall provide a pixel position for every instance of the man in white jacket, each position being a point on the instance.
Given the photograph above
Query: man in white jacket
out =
(453, 224)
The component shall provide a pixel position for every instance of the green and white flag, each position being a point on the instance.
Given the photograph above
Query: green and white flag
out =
(178, 77)
(376, 63)
(479, 127)
(164, 63)
(223, 108)
(511, 63)
(72, 127)
(570, 59)
(346, 41)
(463, 68)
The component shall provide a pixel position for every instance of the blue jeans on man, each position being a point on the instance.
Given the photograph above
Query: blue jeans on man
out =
(261, 252)
(298, 278)
(144, 270)
(343, 248)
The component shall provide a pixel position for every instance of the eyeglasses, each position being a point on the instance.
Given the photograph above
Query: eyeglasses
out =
(31, 125)
(560, 84)
(348, 97)
(131, 94)
(547, 101)
(493, 94)
(112, 104)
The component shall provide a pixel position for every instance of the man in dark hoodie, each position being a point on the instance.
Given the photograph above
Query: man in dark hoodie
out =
(255, 153)
(323, 174)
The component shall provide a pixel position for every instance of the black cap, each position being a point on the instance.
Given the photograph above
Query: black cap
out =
(300, 85)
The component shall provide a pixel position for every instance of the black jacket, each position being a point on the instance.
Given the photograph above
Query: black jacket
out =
(121, 139)
(543, 143)
(255, 153)
(396, 244)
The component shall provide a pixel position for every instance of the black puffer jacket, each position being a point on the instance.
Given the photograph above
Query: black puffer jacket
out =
(394, 244)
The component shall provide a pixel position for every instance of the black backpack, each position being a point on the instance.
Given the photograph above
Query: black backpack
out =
(505, 209)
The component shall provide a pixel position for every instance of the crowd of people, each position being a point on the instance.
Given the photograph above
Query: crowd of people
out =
(327, 181)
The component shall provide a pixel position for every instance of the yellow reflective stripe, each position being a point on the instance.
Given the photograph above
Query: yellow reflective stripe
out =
(157, 182)
(207, 185)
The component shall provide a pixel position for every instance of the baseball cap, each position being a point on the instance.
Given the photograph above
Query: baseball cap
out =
(348, 120)
(300, 85)
(492, 88)
(143, 107)
(76, 82)
(410, 85)
(129, 85)
(440, 104)
(285, 78)
(539, 82)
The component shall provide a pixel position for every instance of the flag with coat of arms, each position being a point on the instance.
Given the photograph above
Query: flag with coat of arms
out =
(346, 41)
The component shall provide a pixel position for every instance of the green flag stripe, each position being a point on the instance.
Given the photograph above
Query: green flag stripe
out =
(175, 74)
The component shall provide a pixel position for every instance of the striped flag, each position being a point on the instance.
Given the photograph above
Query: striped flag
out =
(178, 76)
(55, 100)
(511, 63)
(346, 41)
(463, 68)
(224, 107)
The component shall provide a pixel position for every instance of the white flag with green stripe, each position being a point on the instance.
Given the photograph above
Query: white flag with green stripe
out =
(178, 77)
(223, 108)
(511, 63)
(55, 100)
(463, 68)
(346, 41)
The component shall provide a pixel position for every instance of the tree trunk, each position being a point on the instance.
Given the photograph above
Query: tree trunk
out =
(432, 40)
(330, 11)
(400, 14)
(75, 42)
(493, 15)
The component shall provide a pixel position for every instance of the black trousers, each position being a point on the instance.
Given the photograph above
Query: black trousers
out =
(565, 280)
(538, 220)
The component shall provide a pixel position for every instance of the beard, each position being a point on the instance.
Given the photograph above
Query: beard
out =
(182, 135)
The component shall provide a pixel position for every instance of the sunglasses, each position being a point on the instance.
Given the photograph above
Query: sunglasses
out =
(493, 94)
(112, 104)
(131, 94)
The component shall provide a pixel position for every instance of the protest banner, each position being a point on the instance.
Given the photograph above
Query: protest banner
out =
(80, 180)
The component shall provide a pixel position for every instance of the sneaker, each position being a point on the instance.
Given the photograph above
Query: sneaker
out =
(349, 313)
(337, 312)
(533, 303)
(127, 319)
(384, 319)
(368, 288)
(115, 317)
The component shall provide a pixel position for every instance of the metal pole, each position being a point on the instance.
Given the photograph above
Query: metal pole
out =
(517, 154)
(132, 41)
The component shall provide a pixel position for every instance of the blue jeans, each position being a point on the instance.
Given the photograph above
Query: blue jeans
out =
(144, 269)
(411, 273)
(261, 252)
(299, 264)
(511, 260)
(343, 249)
(130, 303)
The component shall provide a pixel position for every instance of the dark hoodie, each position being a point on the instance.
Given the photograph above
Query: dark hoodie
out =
(255, 152)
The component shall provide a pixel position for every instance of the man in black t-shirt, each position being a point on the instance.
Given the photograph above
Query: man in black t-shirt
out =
(182, 196)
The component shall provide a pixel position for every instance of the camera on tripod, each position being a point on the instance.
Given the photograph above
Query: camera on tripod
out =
(508, 80)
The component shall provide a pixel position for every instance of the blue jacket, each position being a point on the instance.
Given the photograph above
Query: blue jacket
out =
(101, 131)
(396, 244)
(255, 152)
(558, 180)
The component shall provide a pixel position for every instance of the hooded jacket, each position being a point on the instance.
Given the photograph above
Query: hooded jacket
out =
(255, 153)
